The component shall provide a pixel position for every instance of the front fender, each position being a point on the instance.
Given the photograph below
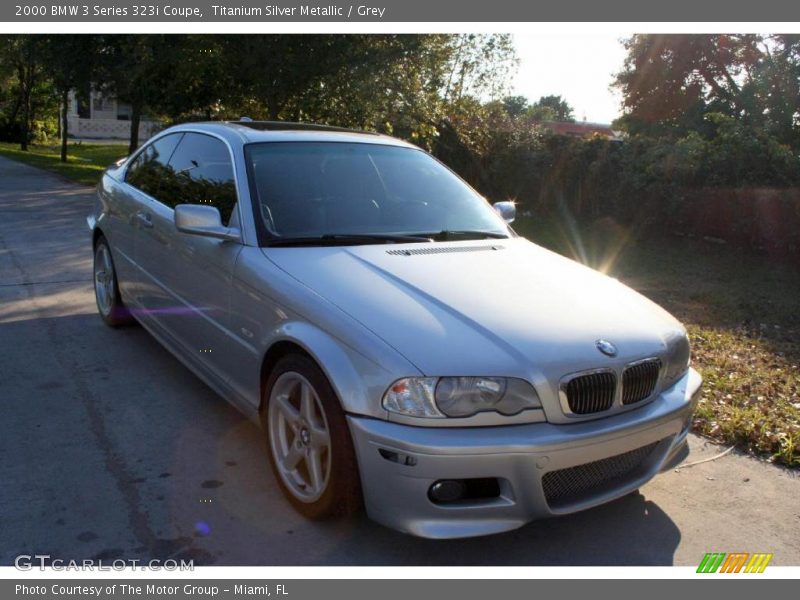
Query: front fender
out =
(358, 381)
(97, 220)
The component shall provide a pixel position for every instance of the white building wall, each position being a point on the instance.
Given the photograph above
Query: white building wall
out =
(104, 122)
(108, 128)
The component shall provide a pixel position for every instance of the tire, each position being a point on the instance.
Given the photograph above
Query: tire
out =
(308, 441)
(106, 287)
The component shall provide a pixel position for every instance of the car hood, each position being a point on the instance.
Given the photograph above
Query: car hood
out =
(498, 307)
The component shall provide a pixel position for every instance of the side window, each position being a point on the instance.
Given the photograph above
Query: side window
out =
(201, 172)
(149, 168)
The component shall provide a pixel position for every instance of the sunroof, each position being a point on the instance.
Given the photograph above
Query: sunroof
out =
(288, 126)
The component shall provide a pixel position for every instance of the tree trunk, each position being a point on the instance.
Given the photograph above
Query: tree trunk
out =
(12, 117)
(273, 108)
(64, 125)
(136, 117)
(720, 91)
(25, 94)
(26, 119)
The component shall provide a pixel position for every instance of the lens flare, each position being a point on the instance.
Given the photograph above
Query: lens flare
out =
(599, 245)
(202, 528)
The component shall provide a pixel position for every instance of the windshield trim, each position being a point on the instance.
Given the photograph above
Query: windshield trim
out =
(264, 236)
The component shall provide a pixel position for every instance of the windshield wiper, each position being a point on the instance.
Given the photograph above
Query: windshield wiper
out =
(349, 239)
(456, 234)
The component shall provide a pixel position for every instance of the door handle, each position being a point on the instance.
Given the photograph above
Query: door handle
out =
(144, 219)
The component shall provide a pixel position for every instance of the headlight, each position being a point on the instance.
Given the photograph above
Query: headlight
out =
(459, 396)
(412, 396)
(677, 358)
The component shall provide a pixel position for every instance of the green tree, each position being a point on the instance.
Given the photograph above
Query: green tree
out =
(134, 70)
(772, 91)
(68, 62)
(390, 84)
(551, 108)
(199, 83)
(668, 82)
(22, 56)
(268, 71)
(516, 106)
(397, 84)
(478, 65)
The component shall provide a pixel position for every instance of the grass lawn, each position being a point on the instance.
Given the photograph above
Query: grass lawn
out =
(742, 312)
(85, 162)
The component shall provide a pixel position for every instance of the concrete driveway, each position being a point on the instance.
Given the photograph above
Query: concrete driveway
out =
(111, 448)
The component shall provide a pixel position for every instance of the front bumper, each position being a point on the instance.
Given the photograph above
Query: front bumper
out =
(399, 463)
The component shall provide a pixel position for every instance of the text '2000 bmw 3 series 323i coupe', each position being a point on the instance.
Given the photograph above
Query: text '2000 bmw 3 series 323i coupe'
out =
(403, 349)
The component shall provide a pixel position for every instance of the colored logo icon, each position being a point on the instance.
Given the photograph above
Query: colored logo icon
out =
(736, 562)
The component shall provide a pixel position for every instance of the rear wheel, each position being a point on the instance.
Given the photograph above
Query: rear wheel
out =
(308, 441)
(106, 288)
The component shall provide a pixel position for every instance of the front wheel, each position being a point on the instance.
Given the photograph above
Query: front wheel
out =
(308, 441)
(106, 287)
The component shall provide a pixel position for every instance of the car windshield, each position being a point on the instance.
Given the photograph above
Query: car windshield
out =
(363, 193)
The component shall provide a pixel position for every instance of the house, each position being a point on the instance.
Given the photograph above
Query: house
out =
(582, 129)
(99, 116)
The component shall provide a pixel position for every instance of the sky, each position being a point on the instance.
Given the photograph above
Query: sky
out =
(577, 67)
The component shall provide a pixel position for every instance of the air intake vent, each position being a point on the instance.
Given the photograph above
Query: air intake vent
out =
(591, 393)
(443, 250)
(639, 381)
(576, 484)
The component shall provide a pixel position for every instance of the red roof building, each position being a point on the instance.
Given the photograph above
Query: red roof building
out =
(583, 130)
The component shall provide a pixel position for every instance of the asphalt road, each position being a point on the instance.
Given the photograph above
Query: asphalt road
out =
(111, 448)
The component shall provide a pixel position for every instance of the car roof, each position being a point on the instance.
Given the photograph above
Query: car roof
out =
(247, 132)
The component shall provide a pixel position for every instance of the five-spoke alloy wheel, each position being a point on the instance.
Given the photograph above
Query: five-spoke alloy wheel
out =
(106, 287)
(308, 441)
(299, 436)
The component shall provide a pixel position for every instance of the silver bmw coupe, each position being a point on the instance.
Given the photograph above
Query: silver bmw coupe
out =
(402, 348)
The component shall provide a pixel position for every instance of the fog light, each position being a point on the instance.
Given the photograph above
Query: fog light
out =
(447, 490)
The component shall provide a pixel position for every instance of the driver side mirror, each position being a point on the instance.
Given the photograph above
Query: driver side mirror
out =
(196, 219)
(507, 210)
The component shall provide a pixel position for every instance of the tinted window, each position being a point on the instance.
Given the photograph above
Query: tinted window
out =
(200, 172)
(150, 167)
(312, 189)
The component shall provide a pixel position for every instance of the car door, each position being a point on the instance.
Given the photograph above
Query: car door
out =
(131, 201)
(190, 275)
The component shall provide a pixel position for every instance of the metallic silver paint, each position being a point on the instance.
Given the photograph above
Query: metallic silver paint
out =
(395, 494)
(369, 318)
(204, 221)
(507, 210)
